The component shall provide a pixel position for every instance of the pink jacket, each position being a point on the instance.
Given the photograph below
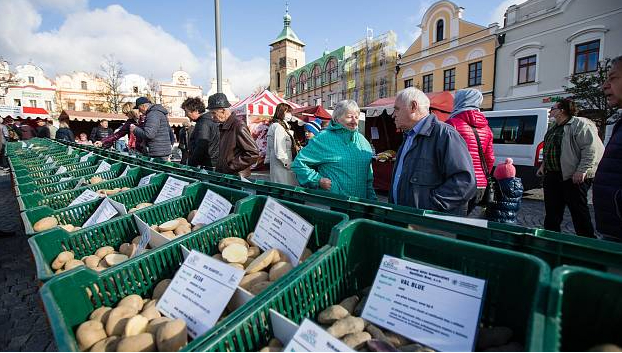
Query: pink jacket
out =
(463, 123)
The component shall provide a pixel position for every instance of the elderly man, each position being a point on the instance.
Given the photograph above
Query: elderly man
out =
(237, 149)
(155, 131)
(434, 170)
(202, 142)
(608, 180)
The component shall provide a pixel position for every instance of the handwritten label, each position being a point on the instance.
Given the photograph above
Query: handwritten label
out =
(85, 196)
(279, 228)
(172, 188)
(199, 292)
(145, 180)
(62, 169)
(106, 210)
(212, 208)
(103, 167)
(435, 307)
(312, 338)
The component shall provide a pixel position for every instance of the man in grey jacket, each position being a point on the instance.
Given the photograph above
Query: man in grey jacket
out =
(156, 129)
(434, 170)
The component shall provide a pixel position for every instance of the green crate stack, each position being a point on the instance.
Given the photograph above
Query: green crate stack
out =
(515, 295)
(68, 305)
(41, 178)
(585, 310)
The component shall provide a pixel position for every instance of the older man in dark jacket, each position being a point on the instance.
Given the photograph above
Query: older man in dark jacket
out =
(156, 129)
(203, 142)
(434, 170)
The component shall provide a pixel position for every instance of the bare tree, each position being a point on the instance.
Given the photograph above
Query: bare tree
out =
(112, 77)
(153, 90)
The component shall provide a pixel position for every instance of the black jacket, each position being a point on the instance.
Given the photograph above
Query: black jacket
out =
(203, 143)
(156, 132)
(508, 195)
(99, 133)
(608, 187)
(65, 134)
(43, 131)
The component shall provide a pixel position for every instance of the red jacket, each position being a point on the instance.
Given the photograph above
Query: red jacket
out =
(463, 123)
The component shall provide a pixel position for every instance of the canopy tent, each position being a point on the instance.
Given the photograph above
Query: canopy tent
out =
(311, 113)
(18, 112)
(74, 115)
(441, 104)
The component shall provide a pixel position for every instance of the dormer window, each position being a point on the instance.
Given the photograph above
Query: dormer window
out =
(440, 28)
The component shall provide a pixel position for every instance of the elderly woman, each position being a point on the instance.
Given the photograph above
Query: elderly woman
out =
(338, 159)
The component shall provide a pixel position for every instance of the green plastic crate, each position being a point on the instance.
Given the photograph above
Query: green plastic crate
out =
(60, 159)
(515, 293)
(47, 245)
(41, 178)
(64, 198)
(68, 305)
(585, 310)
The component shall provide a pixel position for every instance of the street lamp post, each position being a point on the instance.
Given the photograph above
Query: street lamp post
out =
(218, 51)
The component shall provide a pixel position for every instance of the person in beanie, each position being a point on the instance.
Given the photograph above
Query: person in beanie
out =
(237, 149)
(312, 129)
(508, 194)
(156, 130)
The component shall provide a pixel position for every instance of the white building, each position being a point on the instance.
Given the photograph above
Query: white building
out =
(33, 89)
(134, 86)
(81, 91)
(226, 89)
(546, 41)
(173, 94)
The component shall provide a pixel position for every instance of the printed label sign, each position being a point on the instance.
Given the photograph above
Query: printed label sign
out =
(86, 157)
(62, 169)
(312, 338)
(212, 208)
(172, 188)
(103, 167)
(106, 210)
(85, 196)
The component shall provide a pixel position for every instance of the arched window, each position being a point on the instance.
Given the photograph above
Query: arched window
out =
(303, 82)
(440, 28)
(317, 76)
(331, 70)
(291, 86)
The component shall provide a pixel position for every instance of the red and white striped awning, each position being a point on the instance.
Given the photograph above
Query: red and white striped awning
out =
(263, 103)
(18, 112)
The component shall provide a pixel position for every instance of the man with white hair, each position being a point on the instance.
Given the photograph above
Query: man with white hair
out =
(434, 170)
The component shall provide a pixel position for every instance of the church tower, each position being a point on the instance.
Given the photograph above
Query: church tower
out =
(287, 53)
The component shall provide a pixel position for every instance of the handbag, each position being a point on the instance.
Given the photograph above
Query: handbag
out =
(296, 147)
(489, 192)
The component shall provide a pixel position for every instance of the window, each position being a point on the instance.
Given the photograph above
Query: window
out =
(33, 103)
(317, 101)
(428, 83)
(449, 83)
(527, 69)
(83, 85)
(586, 57)
(278, 80)
(516, 130)
(408, 83)
(317, 76)
(179, 94)
(475, 74)
(383, 88)
(291, 88)
(332, 99)
(303, 82)
(331, 70)
(71, 106)
(48, 106)
(31, 79)
(440, 27)
(17, 102)
(86, 107)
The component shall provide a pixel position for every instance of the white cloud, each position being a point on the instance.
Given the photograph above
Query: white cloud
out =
(62, 6)
(498, 13)
(85, 36)
(191, 29)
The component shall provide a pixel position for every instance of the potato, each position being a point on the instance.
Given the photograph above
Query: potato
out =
(115, 259)
(218, 257)
(67, 227)
(606, 347)
(376, 345)
(60, 270)
(260, 287)
(160, 288)
(305, 254)
(132, 210)
(231, 240)
(237, 265)
(254, 251)
(91, 261)
(136, 325)
(346, 326)
(278, 257)
(350, 303)
(271, 349)
(198, 226)
(96, 180)
(332, 314)
(76, 228)
(169, 226)
(168, 234)
(45, 224)
(112, 192)
(191, 215)
(150, 311)
(275, 343)
(125, 188)
(57, 265)
(128, 249)
(264, 260)
(100, 314)
(65, 256)
(172, 336)
(137, 240)
(356, 340)
(103, 251)
(376, 332)
(279, 270)
(183, 221)
(156, 324)
(118, 317)
(249, 238)
(235, 252)
(133, 301)
(145, 342)
(107, 344)
(99, 268)
(143, 205)
(250, 279)
(89, 333)
(103, 264)
(397, 340)
(182, 230)
(249, 260)
(71, 264)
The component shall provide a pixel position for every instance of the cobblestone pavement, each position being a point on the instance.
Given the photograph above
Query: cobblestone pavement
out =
(23, 324)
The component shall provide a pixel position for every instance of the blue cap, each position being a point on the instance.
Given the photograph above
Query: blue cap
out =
(314, 127)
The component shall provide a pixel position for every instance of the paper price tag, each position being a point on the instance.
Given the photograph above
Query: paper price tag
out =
(69, 151)
(145, 235)
(103, 167)
(24, 144)
(104, 212)
(49, 160)
(148, 235)
(212, 208)
(64, 179)
(172, 188)
(62, 169)
(80, 183)
(199, 292)
(86, 157)
(127, 169)
(31, 146)
(435, 307)
(86, 196)
(279, 228)
(312, 338)
(145, 180)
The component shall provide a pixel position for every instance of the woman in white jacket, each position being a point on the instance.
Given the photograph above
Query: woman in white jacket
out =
(279, 149)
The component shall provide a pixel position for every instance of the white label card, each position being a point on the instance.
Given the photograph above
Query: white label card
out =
(49, 160)
(106, 210)
(172, 188)
(283, 328)
(212, 208)
(86, 157)
(62, 169)
(69, 151)
(464, 220)
(24, 144)
(127, 169)
(145, 235)
(279, 228)
(312, 338)
(85, 196)
(435, 307)
(64, 179)
(31, 146)
(103, 167)
(80, 183)
(145, 180)
(200, 292)
(150, 236)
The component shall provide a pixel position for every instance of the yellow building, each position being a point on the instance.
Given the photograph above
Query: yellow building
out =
(450, 54)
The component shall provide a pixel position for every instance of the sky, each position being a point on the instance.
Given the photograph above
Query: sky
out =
(155, 38)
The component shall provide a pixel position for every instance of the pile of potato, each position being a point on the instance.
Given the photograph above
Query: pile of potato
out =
(262, 268)
(45, 224)
(110, 192)
(96, 180)
(104, 257)
(177, 227)
(139, 206)
(134, 325)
